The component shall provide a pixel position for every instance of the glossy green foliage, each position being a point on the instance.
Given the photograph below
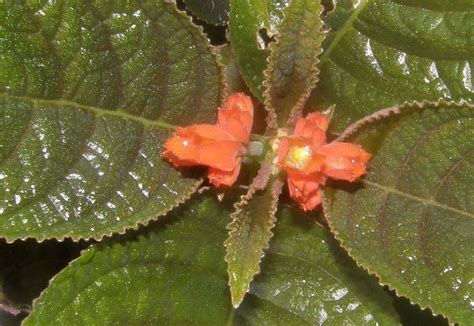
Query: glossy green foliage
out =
(174, 273)
(252, 24)
(87, 95)
(249, 235)
(89, 90)
(306, 272)
(78, 171)
(144, 58)
(411, 219)
(215, 12)
(291, 73)
(381, 53)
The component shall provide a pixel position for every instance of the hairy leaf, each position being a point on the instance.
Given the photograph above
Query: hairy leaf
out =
(292, 71)
(306, 273)
(214, 12)
(175, 274)
(87, 95)
(252, 24)
(411, 314)
(411, 220)
(381, 53)
(233, 79)
(250, 232)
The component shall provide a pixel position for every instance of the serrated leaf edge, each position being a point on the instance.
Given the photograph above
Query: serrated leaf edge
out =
(92, 249)
(211, 48)
(351, 131)
(224, 93)
(397, 109)
(247, 79)
(296, 111)
(125, 229)
(260, 183)
(35, 301)
(369, 271)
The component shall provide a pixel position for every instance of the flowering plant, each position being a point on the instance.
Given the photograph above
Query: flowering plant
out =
(236, 162)
(309, 161)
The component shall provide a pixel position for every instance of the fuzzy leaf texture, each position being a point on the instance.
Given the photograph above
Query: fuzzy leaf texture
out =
(291, 73)
(88, 91)
(250, 232)
(411, 219)
(174, 273)
(381, 53)
(252, 24)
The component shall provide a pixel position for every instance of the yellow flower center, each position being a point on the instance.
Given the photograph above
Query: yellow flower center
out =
(299, 156)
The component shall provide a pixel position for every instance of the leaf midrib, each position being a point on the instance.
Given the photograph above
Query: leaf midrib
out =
(423, 201)
(120, 112)
(342, 32)
(309, 82)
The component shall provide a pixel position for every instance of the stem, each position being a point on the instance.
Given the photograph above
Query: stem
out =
(260, 138)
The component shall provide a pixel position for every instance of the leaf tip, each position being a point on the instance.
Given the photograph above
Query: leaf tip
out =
(237, 295)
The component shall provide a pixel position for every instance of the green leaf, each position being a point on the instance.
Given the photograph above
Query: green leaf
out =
(305, 272)
(412, 315)
(87, 95)
(250, 231)
(292, 71)
(410, 220)
(233, 79)
(381, 53)
(215, 12)
(251, 24)
(175, 274)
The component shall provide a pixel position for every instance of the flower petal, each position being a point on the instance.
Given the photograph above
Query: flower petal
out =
(313, 126)
(344, 161)
(237, 117)
(299, 155)
(220, 178)
(305, 189)
(203, 145)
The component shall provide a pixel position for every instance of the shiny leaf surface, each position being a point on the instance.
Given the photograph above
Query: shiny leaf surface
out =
(381, 53)
(175, 273)
(411, 219)
(252, 24)
(87, 95)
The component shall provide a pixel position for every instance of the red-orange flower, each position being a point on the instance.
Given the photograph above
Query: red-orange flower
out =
(308, 160)
(219, 146)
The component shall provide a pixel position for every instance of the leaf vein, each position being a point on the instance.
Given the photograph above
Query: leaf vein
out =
(342, 32)
(423, 201)
(119, 113)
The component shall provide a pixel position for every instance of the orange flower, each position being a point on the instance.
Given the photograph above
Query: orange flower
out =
(309, 160)
(219, 146)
